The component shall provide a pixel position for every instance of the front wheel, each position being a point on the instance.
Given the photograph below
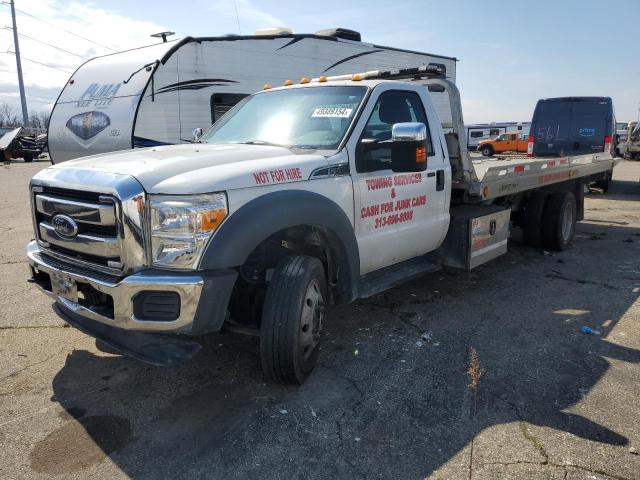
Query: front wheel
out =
(487, 151)
(292, 319)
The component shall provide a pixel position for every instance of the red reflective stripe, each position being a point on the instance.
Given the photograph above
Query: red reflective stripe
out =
(518, 168)
(565, 161)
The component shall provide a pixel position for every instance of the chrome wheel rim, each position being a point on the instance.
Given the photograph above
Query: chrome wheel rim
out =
(567, 223)
(311, 320)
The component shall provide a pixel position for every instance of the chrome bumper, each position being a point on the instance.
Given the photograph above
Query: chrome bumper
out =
(123, 291)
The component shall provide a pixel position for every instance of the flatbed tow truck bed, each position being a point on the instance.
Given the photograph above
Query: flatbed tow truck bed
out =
(499, 177)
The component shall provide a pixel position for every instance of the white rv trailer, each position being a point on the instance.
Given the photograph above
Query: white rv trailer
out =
(159, 94)
(484, 131)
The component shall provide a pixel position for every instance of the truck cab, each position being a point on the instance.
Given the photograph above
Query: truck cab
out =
(301, 196)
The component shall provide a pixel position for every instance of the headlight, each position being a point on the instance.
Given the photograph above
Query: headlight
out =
(181, 225)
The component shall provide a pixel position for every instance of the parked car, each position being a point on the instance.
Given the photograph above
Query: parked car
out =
(507, 142)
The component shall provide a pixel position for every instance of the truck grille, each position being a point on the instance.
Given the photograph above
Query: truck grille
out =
(80, 225)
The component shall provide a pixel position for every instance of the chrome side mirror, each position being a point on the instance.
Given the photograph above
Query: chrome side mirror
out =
(409, 147)
(196, 134)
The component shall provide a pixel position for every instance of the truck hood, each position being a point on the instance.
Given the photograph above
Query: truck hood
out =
(202, 168)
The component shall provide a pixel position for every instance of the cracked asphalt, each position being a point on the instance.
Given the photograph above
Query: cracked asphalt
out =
(392, 396)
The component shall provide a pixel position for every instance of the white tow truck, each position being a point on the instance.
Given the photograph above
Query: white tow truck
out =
(310, 194)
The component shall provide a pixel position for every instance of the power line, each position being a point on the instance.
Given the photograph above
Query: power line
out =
(45, 43)
(39, 63)
(63, 29)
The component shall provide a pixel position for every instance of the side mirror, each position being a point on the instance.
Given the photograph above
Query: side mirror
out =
(409, 147)
(196, 134)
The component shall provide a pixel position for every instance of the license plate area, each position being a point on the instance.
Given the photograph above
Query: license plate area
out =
(64, 286)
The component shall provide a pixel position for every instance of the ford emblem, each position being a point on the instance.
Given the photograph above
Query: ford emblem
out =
(64, 226)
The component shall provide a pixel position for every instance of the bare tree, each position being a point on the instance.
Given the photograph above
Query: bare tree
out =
(44, 118)
(8, 115)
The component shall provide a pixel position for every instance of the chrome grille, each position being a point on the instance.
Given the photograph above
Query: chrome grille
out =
(107, 211)
(96, 240)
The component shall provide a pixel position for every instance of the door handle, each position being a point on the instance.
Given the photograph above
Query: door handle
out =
(439, 180)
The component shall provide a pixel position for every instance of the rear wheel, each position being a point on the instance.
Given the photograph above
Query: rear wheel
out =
(487, 151)
(292, 319)
(559, 221)
(28, 157)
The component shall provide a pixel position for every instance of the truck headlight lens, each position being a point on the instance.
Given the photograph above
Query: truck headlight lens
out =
(181, 225)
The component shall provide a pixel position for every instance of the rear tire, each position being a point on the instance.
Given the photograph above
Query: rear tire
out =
(486, 151)
(292, 319)
(28, 158)
(559, 221)
(532, 224)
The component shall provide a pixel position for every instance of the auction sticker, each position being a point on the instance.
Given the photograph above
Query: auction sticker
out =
(332, 112)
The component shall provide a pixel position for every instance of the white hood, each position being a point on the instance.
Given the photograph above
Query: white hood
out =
(201, 168)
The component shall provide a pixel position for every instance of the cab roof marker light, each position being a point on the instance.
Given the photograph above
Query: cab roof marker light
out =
(322, 79)
(288, 83)
(304, 80)
(356, 77)
(266, 86)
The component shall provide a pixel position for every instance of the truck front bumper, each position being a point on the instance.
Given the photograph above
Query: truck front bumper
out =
(150, 302)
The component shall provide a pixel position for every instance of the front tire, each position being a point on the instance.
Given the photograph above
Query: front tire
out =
(292, 319)
(487, 151)
(559, 221)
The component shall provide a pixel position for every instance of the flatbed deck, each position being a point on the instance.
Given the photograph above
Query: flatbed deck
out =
(498, 177)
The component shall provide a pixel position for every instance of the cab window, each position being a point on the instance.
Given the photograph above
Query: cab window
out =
(393, 106)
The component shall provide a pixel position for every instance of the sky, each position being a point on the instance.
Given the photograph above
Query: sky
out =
(510, 53)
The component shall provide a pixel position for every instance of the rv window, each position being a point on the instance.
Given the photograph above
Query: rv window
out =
(477, 134)
(221, 103)
(494, 131)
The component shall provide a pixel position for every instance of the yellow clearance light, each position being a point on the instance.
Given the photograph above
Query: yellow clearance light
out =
(288, 83)
(210, 219)
(266, 86)
(304, 80)
(356, 78)
(322, 79)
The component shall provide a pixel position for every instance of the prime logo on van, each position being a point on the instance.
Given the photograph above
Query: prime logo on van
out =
(98, 95)
(587, 132)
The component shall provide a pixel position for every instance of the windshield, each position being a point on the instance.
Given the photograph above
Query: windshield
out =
(315, 117)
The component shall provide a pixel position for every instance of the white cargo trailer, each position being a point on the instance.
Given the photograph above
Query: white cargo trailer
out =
(157, 95)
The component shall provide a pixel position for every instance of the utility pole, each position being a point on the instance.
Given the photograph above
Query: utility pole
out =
(23, 98)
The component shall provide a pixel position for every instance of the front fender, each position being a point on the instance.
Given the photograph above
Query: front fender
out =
(264, 216)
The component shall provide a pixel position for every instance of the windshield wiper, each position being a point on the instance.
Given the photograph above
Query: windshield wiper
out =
(261, 142)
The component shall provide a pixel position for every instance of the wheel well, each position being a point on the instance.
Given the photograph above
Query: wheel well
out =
(312, 240)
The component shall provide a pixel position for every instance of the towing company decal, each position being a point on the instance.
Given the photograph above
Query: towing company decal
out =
(267, 177)
(395, 210)
(98, 95)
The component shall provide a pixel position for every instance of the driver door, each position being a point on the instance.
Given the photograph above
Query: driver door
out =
(398, 216)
